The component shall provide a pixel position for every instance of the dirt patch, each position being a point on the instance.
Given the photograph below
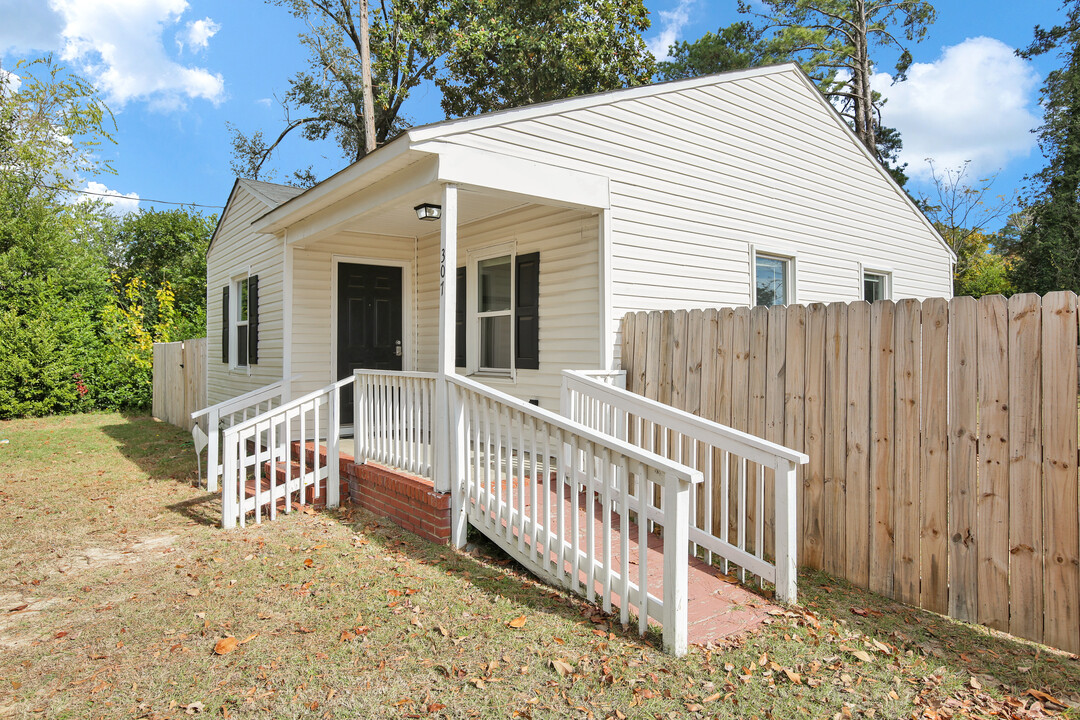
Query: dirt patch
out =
(17, 607)
(93, 557)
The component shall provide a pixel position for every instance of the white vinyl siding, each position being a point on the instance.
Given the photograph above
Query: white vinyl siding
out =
(700, 175)
(313, 287)
(237, 251)
(567, 241)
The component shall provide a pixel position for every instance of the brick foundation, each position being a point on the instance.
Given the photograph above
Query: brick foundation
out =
(410, 502)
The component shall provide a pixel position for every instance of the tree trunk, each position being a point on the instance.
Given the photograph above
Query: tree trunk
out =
(864, 98)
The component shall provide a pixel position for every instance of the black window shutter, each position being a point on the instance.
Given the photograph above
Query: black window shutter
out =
(225, 324)
(460, 347)
(527, 312)
(253, 320)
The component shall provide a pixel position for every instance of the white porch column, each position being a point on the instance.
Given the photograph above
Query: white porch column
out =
(444, 426)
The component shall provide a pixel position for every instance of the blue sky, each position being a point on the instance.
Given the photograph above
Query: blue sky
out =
(175, 71)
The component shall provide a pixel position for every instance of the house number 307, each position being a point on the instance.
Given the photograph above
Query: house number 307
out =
(442, 273)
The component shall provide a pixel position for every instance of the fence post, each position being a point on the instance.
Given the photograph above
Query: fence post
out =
(786, 534)
(333, 448)
(676, 558)
(229, 484)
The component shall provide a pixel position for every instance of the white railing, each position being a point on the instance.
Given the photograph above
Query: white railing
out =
(529, 478)
(226, 414)
(728, 515)
(255, 449)
(393, 419)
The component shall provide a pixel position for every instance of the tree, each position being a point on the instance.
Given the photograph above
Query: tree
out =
(508, 54)
(833, 40)
(1048, 245)
(407, 38)
(735, 47)
(962, 212)
(51, 128)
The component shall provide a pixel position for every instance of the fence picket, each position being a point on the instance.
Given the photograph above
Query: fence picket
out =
(775, 396)
(882, 423)
(857, 469)
(934, 470)
(1025, 466)
(755, 419)
(835, 515)
(814, 482)
(1062, 530)
(906, 448)
(963, 466)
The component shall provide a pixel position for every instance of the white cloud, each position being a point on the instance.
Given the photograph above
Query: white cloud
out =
(11, 81)
(122, 204)
(28, 26)
(119, 45)
(265, 102)
(976, 102)
(672, 23)
(198, 33)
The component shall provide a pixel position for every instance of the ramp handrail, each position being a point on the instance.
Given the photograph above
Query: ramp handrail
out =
(254, 449)
(737, 467)
(224, 414)
(528, 478)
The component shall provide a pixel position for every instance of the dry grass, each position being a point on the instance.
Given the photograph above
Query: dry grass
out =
(128, 585)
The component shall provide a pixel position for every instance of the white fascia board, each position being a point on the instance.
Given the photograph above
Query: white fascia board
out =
(338, 216)
(824, 101)
(335, 188)
(555, 107)
(494, 172)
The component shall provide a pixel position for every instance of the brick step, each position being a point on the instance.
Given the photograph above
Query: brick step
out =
(310, 497)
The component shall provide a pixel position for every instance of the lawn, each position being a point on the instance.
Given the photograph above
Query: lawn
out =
(117, 586)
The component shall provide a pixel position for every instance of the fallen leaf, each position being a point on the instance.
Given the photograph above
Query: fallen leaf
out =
(192, 708)
(862, 655)
(225, 645)
(793, 676)
(562, 667)
(248, 639)
(517, 622)
(309, 562)
(194, 592)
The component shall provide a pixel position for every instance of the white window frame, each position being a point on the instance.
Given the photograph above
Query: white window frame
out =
(473, 314)
(236, 282)
(790, 259)
(887, 281)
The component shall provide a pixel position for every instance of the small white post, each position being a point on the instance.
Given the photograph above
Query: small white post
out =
(786, 545)
(447, 434)
(459, 518)
(213, 437)
(676, 559)
(229, 482)
(333, 448)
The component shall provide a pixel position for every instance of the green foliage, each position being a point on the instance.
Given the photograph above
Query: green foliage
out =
(407, 38)
(1047, 245)
(982, 267)
(506, 55)
(71, 340)
(735, 47)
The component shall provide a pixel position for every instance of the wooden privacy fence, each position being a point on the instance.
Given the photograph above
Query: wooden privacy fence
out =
(942, 438)
(179, 381)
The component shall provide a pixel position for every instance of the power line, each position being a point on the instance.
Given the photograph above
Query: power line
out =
(116, 196)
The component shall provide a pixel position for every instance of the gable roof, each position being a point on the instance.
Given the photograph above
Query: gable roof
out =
(269, 194)
(411, 139)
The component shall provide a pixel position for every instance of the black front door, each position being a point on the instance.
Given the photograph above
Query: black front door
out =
(369, 323)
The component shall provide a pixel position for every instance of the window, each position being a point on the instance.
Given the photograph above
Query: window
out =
(494, 313)
(240, 323)
(772, 280)
(498, 318)
(875, 286)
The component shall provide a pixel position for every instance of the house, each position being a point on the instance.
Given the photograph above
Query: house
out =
(440, 320)
(730, 189)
